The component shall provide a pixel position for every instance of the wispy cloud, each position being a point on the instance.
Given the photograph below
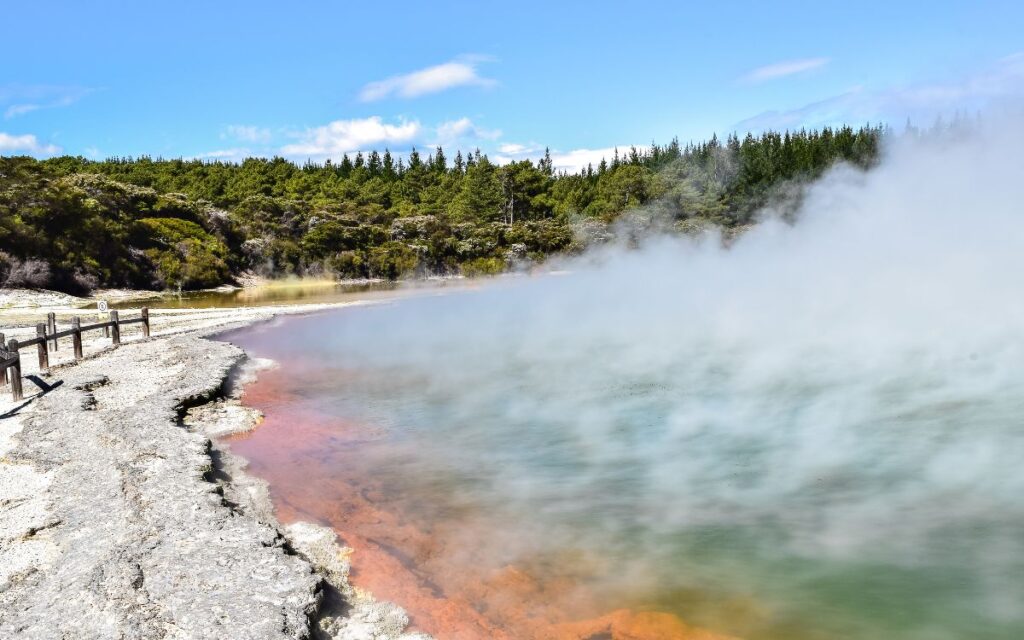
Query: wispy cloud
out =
(16, 110)
(344, 136)
(21, 100)
(1002, 81)
(783, 69)
(26, 144)
(246, 133)
(461, 72)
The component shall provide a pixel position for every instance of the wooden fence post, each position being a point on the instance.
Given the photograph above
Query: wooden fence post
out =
(145, 322)
(16, 393)
(51, 327)
(115, 329)
(76, 337)
(44, 354)
(3, 355)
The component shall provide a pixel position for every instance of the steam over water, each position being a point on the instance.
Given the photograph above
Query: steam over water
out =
(817, 433)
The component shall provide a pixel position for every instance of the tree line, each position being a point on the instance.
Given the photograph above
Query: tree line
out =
(75, 224)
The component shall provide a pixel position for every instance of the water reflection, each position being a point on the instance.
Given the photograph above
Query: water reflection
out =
(285, 292)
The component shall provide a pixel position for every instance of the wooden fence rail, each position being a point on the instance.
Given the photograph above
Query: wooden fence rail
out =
(47, 340)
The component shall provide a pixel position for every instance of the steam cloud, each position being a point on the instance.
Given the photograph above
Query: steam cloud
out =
(772, 418)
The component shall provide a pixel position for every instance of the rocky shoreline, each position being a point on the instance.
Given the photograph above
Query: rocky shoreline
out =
(121, 518)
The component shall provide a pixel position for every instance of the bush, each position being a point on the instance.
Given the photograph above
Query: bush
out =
(483, 267)
(392, 260)
(31, 273)
(329, 237)
(347, 264)
(85, 282)
(186, 257)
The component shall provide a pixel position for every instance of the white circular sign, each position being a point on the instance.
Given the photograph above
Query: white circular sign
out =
(102, 305)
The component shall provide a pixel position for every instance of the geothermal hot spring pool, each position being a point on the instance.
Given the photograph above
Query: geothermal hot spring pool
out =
(586, 456)
(814, 433)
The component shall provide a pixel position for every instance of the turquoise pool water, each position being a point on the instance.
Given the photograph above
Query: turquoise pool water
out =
(795, 473)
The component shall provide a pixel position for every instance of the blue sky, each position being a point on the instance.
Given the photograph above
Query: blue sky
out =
(315, 79)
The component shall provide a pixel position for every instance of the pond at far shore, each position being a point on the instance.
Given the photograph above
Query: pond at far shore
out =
(284, 292)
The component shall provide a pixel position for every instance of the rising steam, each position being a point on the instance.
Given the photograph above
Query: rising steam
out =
(825, 417)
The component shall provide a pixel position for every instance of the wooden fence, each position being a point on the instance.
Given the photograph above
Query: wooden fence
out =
(48, 339)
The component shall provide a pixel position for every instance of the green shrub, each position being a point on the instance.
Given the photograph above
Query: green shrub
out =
(347, 264)
(392, 260)
(483, 267)
(183, 254)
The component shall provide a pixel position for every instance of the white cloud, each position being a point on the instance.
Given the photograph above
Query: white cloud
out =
(518, 150)
(344, 136)
(783, 69)
(247, 133)
(577, 159)
(455, 133)
(16, 110)
(236, 154)
(572, 161)
(26, 144)
(21, 100)
(457, 73)
(922, 103)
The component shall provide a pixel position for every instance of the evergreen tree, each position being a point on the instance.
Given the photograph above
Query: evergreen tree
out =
(480, 194)
(187, 223)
